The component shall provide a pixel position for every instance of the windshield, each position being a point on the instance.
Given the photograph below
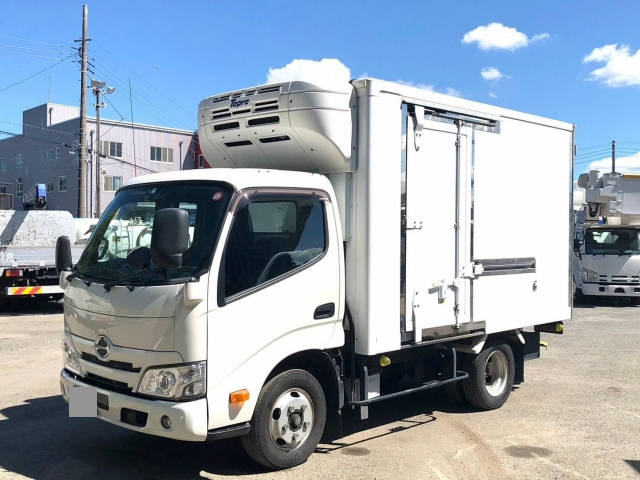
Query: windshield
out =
(616, 241)
(128, 223)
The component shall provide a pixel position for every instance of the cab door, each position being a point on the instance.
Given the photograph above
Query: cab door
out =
(279, 291)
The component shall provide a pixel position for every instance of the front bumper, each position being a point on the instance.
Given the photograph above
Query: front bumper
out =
(189, 419)
(611, 290)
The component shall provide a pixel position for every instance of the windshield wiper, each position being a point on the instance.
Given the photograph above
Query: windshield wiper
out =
(119, 283)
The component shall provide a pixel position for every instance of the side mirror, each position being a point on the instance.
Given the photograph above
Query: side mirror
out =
(169, 237)
(63, 255)
(576, 244)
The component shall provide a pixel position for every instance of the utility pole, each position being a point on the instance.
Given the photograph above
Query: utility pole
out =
(97, 88)
(82, 164)
(98, 143)
(613, 156)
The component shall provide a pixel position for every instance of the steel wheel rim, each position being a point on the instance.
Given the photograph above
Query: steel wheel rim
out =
(496, 372)
(291, 419)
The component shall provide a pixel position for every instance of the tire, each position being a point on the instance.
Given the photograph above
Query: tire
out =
(490, 377)
(285, 402)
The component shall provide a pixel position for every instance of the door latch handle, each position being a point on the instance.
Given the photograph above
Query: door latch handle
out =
(324, 311)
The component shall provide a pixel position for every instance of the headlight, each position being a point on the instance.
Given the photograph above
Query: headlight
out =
(70, 357)
(589, 276)
(177, 382)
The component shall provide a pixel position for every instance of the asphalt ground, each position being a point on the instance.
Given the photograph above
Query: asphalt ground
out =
(577, 416)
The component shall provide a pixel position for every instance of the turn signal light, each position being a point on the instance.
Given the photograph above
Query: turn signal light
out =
(12, 272)
(239, 396)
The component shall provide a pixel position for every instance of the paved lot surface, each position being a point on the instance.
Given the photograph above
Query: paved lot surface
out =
(577, 416)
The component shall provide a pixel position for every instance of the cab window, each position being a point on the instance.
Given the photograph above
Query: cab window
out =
(271, 238)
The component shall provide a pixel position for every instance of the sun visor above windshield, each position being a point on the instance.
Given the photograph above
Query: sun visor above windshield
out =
(288, 126)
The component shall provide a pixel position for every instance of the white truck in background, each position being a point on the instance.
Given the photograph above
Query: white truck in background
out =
(27, 252)
(606, 260)
(351, 246)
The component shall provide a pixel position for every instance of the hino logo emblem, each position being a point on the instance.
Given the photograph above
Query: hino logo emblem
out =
(102, 346)
(239, 102)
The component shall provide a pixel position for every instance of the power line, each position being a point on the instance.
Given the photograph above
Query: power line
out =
(13, 134)
(144, 80)
(31, 76)
(31, 41)
(128, 163)
(46, 129)
(34, 49)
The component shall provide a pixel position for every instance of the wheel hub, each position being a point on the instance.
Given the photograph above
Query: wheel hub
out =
(291, 419)
(496, 372)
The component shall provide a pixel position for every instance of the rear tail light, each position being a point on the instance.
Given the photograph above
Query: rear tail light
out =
(13, 272)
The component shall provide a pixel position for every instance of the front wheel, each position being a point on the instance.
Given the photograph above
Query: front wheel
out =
(490, 377)
(288, 420)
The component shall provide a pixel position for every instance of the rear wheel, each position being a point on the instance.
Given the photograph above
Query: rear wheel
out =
(490, 377)
(288, 420)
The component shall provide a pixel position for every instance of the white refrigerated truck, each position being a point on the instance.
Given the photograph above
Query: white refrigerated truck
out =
(350, 246)
(606, 260)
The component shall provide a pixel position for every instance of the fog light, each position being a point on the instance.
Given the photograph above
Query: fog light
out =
(166, 422)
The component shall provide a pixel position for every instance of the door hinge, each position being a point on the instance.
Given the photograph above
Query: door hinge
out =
(418, 125)
(471, 270)
(417, 225)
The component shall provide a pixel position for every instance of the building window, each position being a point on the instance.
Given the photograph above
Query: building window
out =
(111, 183)
(111, 149)
(200, 161)
(18, 160)
(3, 164)
(43, 155)
(160, 154)
(51, 155)
(50, 187)
(62, 184)
(19, 188)
(57, 153)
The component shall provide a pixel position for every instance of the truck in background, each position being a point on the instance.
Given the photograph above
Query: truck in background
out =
(351, 245)
(27, 252)
(606, 261)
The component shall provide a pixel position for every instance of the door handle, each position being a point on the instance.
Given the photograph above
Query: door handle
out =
(324, 311)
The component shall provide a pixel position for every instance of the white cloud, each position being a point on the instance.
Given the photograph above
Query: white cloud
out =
(493, 95)
(496, 36)
(492, 73)
(326, 72)
(453, 92)
(621, 69)
(630, 164)
(424, 86)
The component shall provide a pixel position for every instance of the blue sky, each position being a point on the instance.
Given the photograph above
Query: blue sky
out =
(177, 53)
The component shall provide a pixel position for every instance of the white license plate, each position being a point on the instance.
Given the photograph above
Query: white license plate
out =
(83, 402)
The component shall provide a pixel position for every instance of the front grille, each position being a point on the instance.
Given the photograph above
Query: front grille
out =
(604, 279)
(115, 364)
(107, 384)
